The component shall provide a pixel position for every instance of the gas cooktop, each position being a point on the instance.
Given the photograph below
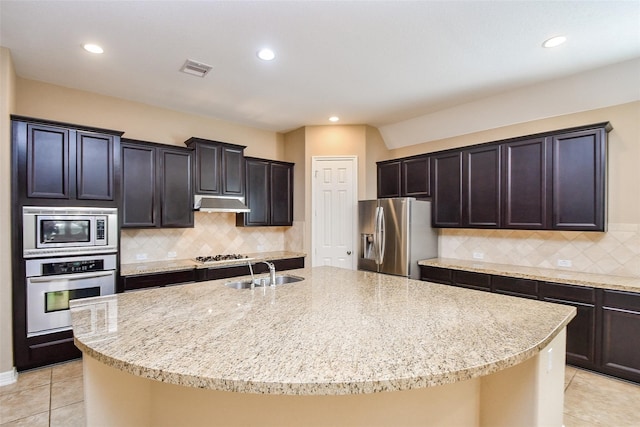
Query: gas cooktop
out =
(217, 258)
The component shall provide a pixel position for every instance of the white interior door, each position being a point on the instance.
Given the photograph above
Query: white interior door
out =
(335, 204)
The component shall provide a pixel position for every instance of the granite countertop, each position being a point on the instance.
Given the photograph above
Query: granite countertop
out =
(189, 264)
(605, 281)
(337, 332)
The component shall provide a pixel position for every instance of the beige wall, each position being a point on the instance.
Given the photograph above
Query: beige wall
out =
(138, 121)
(7, 106)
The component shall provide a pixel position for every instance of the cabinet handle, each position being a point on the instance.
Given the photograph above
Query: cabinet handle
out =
(348, 252)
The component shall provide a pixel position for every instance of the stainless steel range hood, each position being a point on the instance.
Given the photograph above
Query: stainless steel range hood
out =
(219, 204)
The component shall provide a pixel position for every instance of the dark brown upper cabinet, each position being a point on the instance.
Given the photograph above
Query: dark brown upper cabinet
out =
(65, 162)
(157, 185)
(219, 167)
(269, 193)
(416, 177)
(579, 180)
(526, 178)
(408, 177)
(549, 181)
(481, 205)
(447, 189)
(389, 179)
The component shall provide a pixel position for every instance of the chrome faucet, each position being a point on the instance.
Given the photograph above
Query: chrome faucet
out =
(272, 272)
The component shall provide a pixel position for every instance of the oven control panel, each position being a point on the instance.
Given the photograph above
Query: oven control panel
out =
(84, 266)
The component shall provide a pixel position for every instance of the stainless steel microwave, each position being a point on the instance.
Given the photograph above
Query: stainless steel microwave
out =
(58, 231)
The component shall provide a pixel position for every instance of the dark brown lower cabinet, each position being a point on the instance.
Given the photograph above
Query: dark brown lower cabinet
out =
(604, 334)
(215, 273)
(525, 288)
(581, 331)
(621, 334)
(142, 281)
(153, 280)
(471, 280)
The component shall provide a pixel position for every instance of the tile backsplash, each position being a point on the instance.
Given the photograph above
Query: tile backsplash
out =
(213, 233)
(615, 252)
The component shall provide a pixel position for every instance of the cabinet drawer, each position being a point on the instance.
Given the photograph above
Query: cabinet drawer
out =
(622, 300)
(436, 274)
(161, 279)
(568, 292)
(515, 286)
(472, 280)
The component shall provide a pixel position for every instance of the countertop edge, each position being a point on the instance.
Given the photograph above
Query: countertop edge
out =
(602, 281)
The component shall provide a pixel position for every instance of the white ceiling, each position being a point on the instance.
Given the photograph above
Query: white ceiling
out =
(376, 63)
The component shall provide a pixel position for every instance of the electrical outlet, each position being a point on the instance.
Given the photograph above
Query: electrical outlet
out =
(172, 254)
(564, 263)
(141, 257)
(478, 255)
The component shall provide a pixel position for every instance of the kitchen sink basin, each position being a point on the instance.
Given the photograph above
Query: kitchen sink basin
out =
(263, 281)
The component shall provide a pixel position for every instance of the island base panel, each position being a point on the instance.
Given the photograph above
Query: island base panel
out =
(530, 393)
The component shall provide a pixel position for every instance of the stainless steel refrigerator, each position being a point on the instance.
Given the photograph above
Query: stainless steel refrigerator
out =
(394, 235)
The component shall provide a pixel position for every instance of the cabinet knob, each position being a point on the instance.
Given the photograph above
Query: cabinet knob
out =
(348, 252)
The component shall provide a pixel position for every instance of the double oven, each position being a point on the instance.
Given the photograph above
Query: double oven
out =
(69, 253)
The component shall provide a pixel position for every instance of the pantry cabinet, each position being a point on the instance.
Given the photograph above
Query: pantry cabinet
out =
(157, 189)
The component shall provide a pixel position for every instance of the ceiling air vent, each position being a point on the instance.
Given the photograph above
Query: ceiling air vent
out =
(195, 68)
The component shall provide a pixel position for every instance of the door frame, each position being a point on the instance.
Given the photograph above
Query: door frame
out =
(315, 162)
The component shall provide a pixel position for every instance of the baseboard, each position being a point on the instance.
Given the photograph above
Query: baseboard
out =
(8, 377)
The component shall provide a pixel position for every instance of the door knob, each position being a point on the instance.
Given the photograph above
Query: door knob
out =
(348, 252)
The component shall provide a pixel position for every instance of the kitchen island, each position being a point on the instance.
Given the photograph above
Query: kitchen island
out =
(341, 347)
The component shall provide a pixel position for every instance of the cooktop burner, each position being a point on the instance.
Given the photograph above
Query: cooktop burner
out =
(225, 257)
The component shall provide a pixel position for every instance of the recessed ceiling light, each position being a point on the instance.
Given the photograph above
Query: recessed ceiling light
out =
(554, 41)
(266, 54)
(334, 119)
(93, 48)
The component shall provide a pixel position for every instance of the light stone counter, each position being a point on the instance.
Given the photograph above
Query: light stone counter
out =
(338, 332)
(605, 281)
(189, 264)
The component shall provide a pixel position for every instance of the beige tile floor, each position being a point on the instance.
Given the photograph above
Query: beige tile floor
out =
(52, 396)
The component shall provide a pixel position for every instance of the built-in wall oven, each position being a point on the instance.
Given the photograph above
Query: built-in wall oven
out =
(53, 282)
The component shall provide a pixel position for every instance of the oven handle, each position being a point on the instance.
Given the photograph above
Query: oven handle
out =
(78, 276)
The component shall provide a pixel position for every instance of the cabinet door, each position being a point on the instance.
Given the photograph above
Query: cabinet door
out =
(620, 332)
(526, 184)
(581, 331)
(472, 280)
(447, 189)
(281, 194)
(233, 171)
(47, 162)
(138, 166)
(257, 192)
(208, 161)
(176, 191)
(579, 180)
(416, 177)
(481, 187)
(94, 166)
(389, 179)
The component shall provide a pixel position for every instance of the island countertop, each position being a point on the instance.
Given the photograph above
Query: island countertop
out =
(337, 332)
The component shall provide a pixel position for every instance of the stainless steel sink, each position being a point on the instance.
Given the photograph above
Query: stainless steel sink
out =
(280, 280)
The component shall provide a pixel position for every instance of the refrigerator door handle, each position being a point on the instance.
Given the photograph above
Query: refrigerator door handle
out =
(380, 234)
